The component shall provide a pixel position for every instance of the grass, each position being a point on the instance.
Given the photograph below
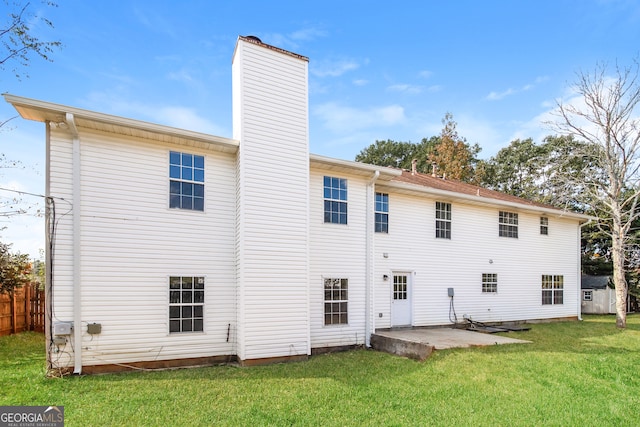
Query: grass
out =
(574, 373)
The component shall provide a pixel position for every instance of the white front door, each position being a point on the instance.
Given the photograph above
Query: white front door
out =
(401, 300)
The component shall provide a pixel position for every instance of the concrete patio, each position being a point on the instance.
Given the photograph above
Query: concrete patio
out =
(420, 343)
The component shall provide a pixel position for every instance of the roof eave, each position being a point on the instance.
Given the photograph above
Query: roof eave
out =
(486, 201)
(42, 111)
(357, 168)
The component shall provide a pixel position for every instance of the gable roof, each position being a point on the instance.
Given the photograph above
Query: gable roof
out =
(594, 282)
(450, 189)
(400, 180)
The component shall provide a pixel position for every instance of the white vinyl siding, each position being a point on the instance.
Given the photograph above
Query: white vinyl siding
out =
(271, 119)
(338, 252)
(131, 243)
(460, 263)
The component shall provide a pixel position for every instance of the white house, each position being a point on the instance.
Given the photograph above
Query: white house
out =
(169, 247)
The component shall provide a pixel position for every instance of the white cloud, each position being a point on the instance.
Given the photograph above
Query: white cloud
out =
(307, 34)
(360, 82)
(339, 118)
(496, 96)
(290, 40)
(169, 115)
(406, 88)
(425, 74)
(333, 68)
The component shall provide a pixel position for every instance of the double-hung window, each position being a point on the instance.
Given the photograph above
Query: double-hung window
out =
(508, 224)
(335, 200)
(443, 220)
(544, 225)
(186, 304)
(382, 213)
(336, 301)
(489, 283)
(186, 181)
(552, 289)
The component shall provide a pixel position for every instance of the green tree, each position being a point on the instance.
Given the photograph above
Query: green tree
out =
(537, 171)
(398, 154)
(607, 121)
(15, 270)
(516, 169)
(453, 157)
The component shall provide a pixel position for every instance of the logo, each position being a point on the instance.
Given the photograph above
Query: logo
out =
(31, 416)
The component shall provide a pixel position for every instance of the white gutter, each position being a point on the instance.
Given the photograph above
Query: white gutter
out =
(75, 209)
(580, 267)
(479, 199)
(370, 263)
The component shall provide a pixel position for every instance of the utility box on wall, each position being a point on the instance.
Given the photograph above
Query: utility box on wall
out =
(94, 328)
(62, 328)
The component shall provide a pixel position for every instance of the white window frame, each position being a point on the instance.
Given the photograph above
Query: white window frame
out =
(552, 289)
(508, 224)
(337, 298)
(587, 295)
(382, 213)
(335, 197)
(489, 283)
(184, 298)
(443, 220)
(544, 225)
(179, 177)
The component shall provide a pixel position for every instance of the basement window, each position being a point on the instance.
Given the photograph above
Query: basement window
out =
(186, 304)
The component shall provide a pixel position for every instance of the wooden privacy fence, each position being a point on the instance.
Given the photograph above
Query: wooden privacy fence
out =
(23, 310)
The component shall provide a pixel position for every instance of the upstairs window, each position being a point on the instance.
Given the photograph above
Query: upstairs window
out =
(443, 220)
(335, 200)
(382, 213)
(186, 181)
(489, 283)
(508, 224)
(544, 225)
(552, 289)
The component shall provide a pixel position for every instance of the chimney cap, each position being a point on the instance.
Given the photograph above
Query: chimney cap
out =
(254, 38)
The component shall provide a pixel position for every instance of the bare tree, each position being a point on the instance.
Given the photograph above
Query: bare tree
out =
(18, 39)
(606, 118)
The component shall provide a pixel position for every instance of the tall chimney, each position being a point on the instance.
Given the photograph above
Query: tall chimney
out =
(414, 166)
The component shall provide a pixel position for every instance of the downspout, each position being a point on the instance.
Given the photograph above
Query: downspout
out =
(75, 209)
(580, 268)
(370, 264)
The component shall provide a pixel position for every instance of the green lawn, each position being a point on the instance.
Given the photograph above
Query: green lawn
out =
(573, 374)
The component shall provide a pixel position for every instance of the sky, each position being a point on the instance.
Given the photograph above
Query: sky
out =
(377, 70)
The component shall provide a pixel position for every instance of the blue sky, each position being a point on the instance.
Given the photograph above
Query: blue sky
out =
(377, 70)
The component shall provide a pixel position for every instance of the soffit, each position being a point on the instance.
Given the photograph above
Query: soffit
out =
(41, 111)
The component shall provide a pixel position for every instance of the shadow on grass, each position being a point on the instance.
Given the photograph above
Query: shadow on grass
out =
(595, 334)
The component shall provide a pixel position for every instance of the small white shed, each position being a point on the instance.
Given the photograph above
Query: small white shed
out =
(597, 296)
